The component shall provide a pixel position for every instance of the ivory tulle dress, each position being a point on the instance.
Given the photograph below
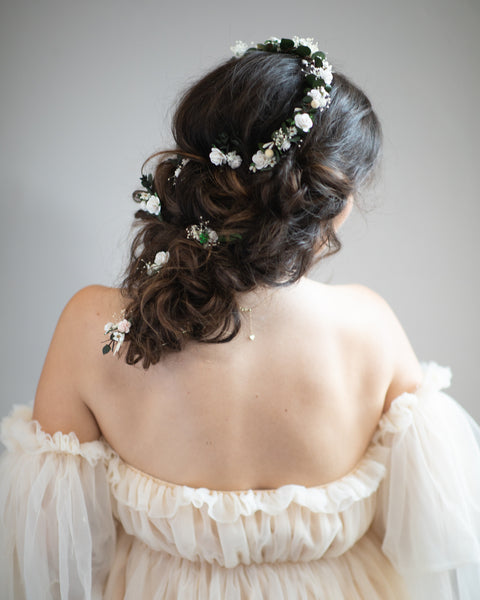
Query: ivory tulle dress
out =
(79, 523)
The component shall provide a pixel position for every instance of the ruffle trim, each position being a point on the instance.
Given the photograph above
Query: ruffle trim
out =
(159, 499)
(142, 492)
(20, 433)
(401, 412)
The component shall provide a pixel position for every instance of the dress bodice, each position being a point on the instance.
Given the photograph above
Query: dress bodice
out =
(290, 523)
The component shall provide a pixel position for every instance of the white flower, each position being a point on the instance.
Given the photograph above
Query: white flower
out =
(319, 97)
(153, 205)
(285, 145)
(275, 40)
(303, 121)
(143, 205)
(325, 72)
(212, 237)
(239, 48)
(217, 157)
(233, 160)
(161, 258)
(108, 327)
(260, 160)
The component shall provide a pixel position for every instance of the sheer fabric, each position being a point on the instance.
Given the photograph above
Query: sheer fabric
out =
(78, 522)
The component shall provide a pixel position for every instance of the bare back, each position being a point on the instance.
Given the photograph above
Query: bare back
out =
(299, 404)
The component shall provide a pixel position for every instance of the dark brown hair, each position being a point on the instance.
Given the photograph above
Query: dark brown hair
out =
(284, 216)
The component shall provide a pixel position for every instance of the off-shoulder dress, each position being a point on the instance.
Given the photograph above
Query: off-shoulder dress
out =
(77, 522)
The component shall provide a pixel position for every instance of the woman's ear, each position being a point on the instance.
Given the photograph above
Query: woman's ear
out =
(340, 219)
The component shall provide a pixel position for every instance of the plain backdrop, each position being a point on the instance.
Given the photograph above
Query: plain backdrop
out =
(87, 90)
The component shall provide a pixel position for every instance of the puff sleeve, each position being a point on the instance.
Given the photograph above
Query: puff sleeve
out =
(428, 513)
(57, 533)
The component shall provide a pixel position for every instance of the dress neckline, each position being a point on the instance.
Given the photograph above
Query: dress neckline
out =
(370, 455)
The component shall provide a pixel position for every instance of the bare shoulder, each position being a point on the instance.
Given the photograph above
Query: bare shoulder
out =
(60, 400)
(372, 324)
(406, 370)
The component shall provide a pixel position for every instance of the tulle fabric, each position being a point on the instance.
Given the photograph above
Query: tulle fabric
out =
(429, 502)
(78, 522)
(57, 533)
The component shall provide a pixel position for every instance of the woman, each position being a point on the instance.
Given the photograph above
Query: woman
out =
(248, 433)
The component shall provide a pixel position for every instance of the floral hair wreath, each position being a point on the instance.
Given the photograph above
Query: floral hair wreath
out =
(318, 79)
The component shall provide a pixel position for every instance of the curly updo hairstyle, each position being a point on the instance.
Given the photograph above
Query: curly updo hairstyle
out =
(284, 215)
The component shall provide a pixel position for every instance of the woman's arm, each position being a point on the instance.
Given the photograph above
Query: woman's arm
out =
(59, 405)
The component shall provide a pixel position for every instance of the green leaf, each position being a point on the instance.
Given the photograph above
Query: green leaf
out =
(319, 55)
(287, 44)
(106, 349)
(270, 47)
(303, 51)
(312, 81)
(328, 88)
(307, 99)
(147, 182)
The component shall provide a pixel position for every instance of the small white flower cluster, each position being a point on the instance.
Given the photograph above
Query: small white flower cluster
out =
(320, 98)
(282, 139)
(149, 202)
(239, 48)
(324, 72)
(178, 170)
(308, 42)
(202, 234)
(117, 333)
(161, 258)
(218, 158)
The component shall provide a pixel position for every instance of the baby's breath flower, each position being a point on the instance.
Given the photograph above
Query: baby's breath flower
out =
(239, 48)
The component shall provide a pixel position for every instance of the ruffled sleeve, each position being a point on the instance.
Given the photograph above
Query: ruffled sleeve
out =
(57, 533)
(429, 502)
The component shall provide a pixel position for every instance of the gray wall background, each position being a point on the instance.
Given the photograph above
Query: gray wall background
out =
(86, 94)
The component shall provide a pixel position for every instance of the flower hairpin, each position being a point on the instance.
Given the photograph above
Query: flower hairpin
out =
(181, 163)
(116, 333)
(161, 259)
(203, 234)
(148, 200)
(222, 153)
(218, 158)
